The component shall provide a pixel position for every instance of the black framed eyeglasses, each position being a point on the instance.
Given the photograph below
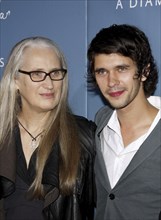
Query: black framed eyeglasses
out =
(38, 76)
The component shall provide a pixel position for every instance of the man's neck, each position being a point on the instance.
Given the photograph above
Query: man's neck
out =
(134, 122)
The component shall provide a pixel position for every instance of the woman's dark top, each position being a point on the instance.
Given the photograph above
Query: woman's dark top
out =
(79, 205)
(17, 205)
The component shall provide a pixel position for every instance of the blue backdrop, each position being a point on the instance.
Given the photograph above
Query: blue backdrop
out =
(72, 25)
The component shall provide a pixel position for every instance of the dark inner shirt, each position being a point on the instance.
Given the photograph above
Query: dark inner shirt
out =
(17, 205)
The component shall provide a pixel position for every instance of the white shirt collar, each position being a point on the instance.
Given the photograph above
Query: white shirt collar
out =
(114, 126)
(155, 101)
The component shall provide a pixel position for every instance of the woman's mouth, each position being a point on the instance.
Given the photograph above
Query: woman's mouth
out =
(47, 95)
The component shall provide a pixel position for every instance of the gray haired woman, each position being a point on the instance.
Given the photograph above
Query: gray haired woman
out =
(46, 152)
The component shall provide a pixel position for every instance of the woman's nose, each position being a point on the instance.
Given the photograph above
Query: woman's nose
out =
(48, 82)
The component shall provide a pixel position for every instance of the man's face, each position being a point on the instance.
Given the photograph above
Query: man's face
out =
(116, 77)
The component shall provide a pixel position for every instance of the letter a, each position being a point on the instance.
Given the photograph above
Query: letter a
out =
(119, 4)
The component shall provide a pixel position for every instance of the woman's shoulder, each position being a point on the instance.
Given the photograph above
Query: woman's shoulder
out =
(86, 131)
(85, 123)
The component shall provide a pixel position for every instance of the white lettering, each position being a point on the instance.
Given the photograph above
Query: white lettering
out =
(135, 2)
(4, 16)
(119, 4)
(141, 3)
(158, 2)
(1, 62)
(148, 2)
(138, 3)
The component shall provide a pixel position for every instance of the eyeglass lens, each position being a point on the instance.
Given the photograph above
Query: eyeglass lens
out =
(54, 75)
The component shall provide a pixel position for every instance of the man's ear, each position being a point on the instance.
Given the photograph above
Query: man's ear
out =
(145, 73)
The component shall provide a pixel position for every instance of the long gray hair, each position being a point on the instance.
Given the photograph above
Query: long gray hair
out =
(57, 124)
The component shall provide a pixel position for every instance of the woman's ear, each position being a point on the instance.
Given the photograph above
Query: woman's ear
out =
(16, 83)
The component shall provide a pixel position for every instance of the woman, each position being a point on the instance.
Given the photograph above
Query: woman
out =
(46, 153)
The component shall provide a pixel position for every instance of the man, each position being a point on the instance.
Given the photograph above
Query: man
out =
(128, 136)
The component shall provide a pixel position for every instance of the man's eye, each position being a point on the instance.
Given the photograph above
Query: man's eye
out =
(122, 69)
(101, 72)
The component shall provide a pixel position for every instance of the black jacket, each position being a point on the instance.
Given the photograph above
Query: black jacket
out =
(79, 205)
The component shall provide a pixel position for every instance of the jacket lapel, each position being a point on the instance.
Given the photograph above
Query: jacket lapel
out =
(8, 159)
(101, 172)
(100, 167)
(146, 149)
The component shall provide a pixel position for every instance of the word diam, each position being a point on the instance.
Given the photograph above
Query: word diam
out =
(138, 3)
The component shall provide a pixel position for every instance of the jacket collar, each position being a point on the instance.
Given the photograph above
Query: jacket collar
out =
(7, 167)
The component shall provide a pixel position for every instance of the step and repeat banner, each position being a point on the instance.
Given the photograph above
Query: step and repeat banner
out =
(62, 21)
(72, 25)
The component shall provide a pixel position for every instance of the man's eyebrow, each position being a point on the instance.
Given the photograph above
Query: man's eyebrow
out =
(100, 68)
(122, 65)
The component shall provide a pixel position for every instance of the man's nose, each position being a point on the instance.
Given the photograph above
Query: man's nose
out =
(112, 79)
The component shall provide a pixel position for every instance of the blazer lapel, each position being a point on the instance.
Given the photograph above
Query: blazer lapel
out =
(100, 167)
(101, 172)
(8, 160)
(146, 149)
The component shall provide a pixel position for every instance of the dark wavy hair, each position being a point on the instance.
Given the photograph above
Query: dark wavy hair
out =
(128, 41)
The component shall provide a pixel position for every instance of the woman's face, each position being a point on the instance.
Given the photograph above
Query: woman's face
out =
(39, 96)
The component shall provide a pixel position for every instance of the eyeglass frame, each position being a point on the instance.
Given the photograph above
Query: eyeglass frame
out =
(46, 74)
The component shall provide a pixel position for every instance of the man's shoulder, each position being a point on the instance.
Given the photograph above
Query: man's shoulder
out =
(103, 113)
